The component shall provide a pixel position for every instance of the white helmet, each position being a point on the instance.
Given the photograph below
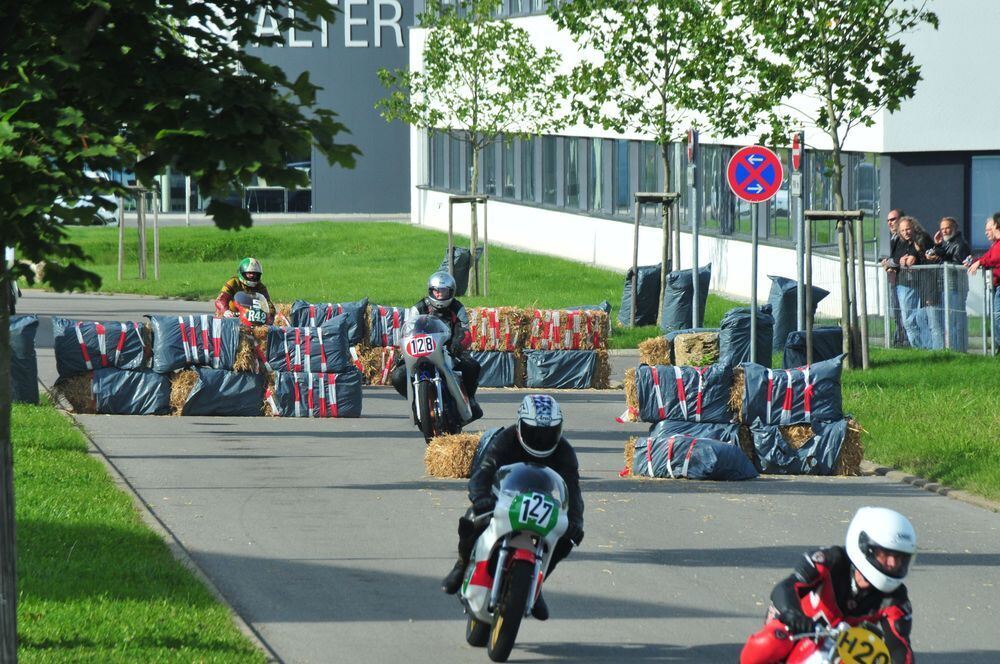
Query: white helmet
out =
(874, 530)
(539, 424)
(440, 290)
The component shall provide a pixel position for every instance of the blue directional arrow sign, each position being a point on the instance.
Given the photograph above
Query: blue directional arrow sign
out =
(755, 174)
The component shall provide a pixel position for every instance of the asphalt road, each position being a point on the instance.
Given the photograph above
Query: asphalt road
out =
(329, 539)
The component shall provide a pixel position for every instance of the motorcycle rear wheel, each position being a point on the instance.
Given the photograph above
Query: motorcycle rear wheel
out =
(477, 634)
(510, 610)
(426, 396)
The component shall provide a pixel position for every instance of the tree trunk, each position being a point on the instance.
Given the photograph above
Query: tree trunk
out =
(666, 264)
(8, 569)
(473, 224)
(838, 205)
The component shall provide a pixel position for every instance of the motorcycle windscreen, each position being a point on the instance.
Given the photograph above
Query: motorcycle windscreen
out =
(245, 299)
(527, 477)
(425, 325)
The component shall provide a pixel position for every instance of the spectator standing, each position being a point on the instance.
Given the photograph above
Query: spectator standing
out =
(991, 260)
(950, 250)
(891, 219)
(930, 318)
(907, 255)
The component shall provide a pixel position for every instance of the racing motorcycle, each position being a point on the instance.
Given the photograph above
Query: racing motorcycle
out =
(511, 557)
(841, 644)
(433, 387)
(253, 309)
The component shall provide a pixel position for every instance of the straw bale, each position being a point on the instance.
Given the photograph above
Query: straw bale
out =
(251, 350)
(78, 392)
(283, 314)
(602, 371)
(588, 330)
(629, 456)
(852, 453)
(376, 363)
(181, 384)
(451, 455)
(520, 369)
(746, 444)
(696, 349)
(146, 332)
(654, 351)
(736, 393)
(509, 333)
(266, 409)
(631, 396)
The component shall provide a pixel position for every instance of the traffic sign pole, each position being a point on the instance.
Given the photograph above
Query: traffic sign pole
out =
(796, 199)
(754, 223)
(694, 202)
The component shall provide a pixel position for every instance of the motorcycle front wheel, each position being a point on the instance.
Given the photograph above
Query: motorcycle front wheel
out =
(426, 396)
(476, 633)
(510, 610)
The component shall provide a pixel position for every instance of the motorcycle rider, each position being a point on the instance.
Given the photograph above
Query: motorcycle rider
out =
(536, 437)
(860, 582)
(441, 303)
(248, 274)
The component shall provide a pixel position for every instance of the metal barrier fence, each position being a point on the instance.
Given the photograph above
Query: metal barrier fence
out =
(935, 307)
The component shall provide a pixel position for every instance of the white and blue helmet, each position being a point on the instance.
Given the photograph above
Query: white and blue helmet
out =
(539, 425)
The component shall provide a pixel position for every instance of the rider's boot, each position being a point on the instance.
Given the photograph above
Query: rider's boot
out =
(540, 611)
(477, 411)
(453, 581)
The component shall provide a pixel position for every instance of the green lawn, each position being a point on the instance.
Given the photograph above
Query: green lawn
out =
(931, 413)
(320, 261)
(94, 583)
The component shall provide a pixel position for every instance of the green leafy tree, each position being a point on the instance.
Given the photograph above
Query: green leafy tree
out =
(835, 65)
(88, 87)
(480, 79)
(659, 67)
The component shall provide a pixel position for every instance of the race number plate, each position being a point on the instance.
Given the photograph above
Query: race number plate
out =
(421, 345)
(535, 512)
(256, 316)
(860, 646)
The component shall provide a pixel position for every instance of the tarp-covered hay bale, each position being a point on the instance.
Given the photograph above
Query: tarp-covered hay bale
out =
(654, 351)
(696, 349)
(78, 392)
(631, 413)
(602, 371)
(629, 455)
(451, 455)
(557, 329)
(377, 363)
(181, 384)
(736, 393)
(853, 451)
(283, 314)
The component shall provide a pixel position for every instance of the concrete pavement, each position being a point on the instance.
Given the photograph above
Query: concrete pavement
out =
(327, 537)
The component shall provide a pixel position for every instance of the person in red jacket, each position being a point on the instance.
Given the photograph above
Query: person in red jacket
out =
(861, 582)
(991, 260)
(248, 274)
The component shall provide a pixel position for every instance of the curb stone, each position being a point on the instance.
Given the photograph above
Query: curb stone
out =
(870, 468)
(177, 549)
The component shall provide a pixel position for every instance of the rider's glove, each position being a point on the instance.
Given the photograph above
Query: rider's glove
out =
(797, 622)
(483, 506)
(575, 534)
(228, 314)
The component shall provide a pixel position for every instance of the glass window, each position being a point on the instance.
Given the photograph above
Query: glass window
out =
(622, 194)
(819, 196)
(713, 180)
(779, 224)
(528, 169)
(518, 6)
(549, 170)
(455, 182)
(864, 179)
(437, 159)
(595, 175)
(571, 172)
(985, 197)
(649, 157)
(507, 154)
(488, 165)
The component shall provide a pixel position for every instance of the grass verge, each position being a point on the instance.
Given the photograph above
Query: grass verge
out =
(388, 262)
(933, 414)
(94, 583)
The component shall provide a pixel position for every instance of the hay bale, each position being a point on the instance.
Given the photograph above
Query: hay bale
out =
(497, 328)
(736, 393)
(602, 371)
(520, 369)
(629, 456)
(556, 329)
(655, 351)
(451, 455)
(282, 314)
(181, 384)
(853, 451)
(251, 353)
(696, 349)
(78, 392)
(747, 445)
(376, 363)
(266, 409)
(631, 397)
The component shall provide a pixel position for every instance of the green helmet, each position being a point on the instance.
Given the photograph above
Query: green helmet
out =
(249, 272)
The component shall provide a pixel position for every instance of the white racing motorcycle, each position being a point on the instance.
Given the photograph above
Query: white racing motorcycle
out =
(433, 387)
(511, 557)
